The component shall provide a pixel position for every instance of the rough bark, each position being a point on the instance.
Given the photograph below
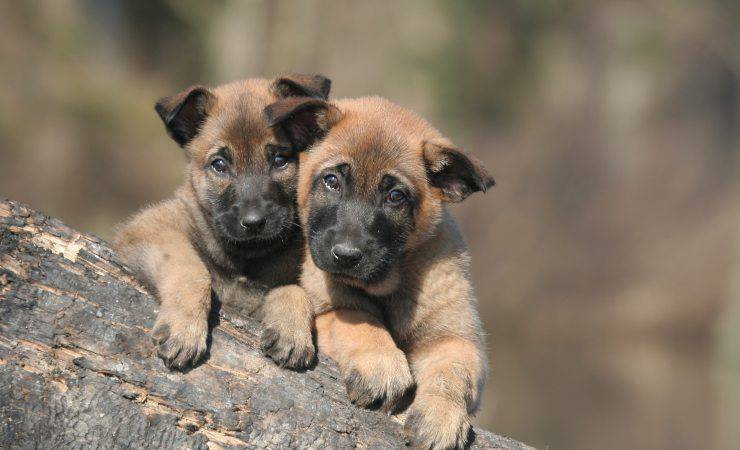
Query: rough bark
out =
(77, 367)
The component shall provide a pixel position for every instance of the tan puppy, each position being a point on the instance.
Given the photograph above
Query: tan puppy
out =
(231, 228)
(388, 273)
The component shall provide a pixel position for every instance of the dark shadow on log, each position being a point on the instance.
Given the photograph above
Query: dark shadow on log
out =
(77, 367)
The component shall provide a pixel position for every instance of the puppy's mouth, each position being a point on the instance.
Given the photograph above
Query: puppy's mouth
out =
(233, 235)
(382, 280)
(252, 239)
(365, 273)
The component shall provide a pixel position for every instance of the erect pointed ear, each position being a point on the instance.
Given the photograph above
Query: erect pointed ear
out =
(455, 173)
(184, 113)
(302, 120)
(297, 85)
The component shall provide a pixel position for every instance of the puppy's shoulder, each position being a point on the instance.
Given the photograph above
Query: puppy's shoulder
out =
(150, 221)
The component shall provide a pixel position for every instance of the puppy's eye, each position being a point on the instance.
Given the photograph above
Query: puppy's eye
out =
(332, 182)
(219, 165)
(280, 161)
(395, 197)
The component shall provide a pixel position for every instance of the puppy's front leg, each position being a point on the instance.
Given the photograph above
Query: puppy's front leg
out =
(375, 370)
(166, 260)
(287, 317)
(449, 372)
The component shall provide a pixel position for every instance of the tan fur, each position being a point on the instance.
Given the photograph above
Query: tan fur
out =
(375, 370)
(173, 249)
(427, 304)
(288, 320)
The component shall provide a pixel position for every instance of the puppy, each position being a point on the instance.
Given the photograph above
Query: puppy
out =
(388, 273)
(231, 229)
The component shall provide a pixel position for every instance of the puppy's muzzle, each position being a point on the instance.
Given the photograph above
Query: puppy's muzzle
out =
(346, 255)
(253, 221)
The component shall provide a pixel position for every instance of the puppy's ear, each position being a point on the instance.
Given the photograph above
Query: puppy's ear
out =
(301, 120)
(296, 85)
(184, 113)
(455, 173)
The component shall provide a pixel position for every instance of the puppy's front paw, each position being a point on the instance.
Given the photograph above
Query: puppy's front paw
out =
(437, 423)
(180, 341)
(378, 380)
(291, 348)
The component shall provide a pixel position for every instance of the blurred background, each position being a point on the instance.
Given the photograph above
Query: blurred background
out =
(607, 257)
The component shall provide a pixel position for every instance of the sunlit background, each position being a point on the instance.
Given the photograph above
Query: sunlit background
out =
(607, 257)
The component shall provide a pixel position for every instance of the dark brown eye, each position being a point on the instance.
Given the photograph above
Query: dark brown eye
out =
(219, 165)
(332, 182)
(280, 161)
(395, 197)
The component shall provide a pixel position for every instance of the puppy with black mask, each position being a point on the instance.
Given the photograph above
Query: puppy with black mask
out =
(388, 271)
(232, 228)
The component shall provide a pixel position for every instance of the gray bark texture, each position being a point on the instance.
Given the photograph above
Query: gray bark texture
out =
(77, 368)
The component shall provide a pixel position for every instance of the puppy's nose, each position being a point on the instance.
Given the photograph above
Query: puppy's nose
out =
(253, 221)
(346, 255)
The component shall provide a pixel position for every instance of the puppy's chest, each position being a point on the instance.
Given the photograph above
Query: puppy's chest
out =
(239, 292)
(245, 288)
(401, 315)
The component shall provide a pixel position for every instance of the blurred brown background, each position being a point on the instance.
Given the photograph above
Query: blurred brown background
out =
(607, 258)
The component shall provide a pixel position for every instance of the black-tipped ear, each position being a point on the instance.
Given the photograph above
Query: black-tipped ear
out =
(184, 113)
(297, 85)
(455, 173)
(301, 120)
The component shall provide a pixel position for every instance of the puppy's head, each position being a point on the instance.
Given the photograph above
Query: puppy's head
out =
(244, 180)
(372, 184)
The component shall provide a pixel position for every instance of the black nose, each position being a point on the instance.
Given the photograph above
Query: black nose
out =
(253, 221)
(346, 255)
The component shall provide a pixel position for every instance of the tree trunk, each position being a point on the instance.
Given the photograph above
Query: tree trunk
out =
(77, 367)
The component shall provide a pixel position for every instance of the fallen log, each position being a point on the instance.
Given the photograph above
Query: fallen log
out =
(77, 367)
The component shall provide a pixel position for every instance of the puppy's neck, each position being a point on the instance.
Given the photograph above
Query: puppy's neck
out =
(388, 286)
